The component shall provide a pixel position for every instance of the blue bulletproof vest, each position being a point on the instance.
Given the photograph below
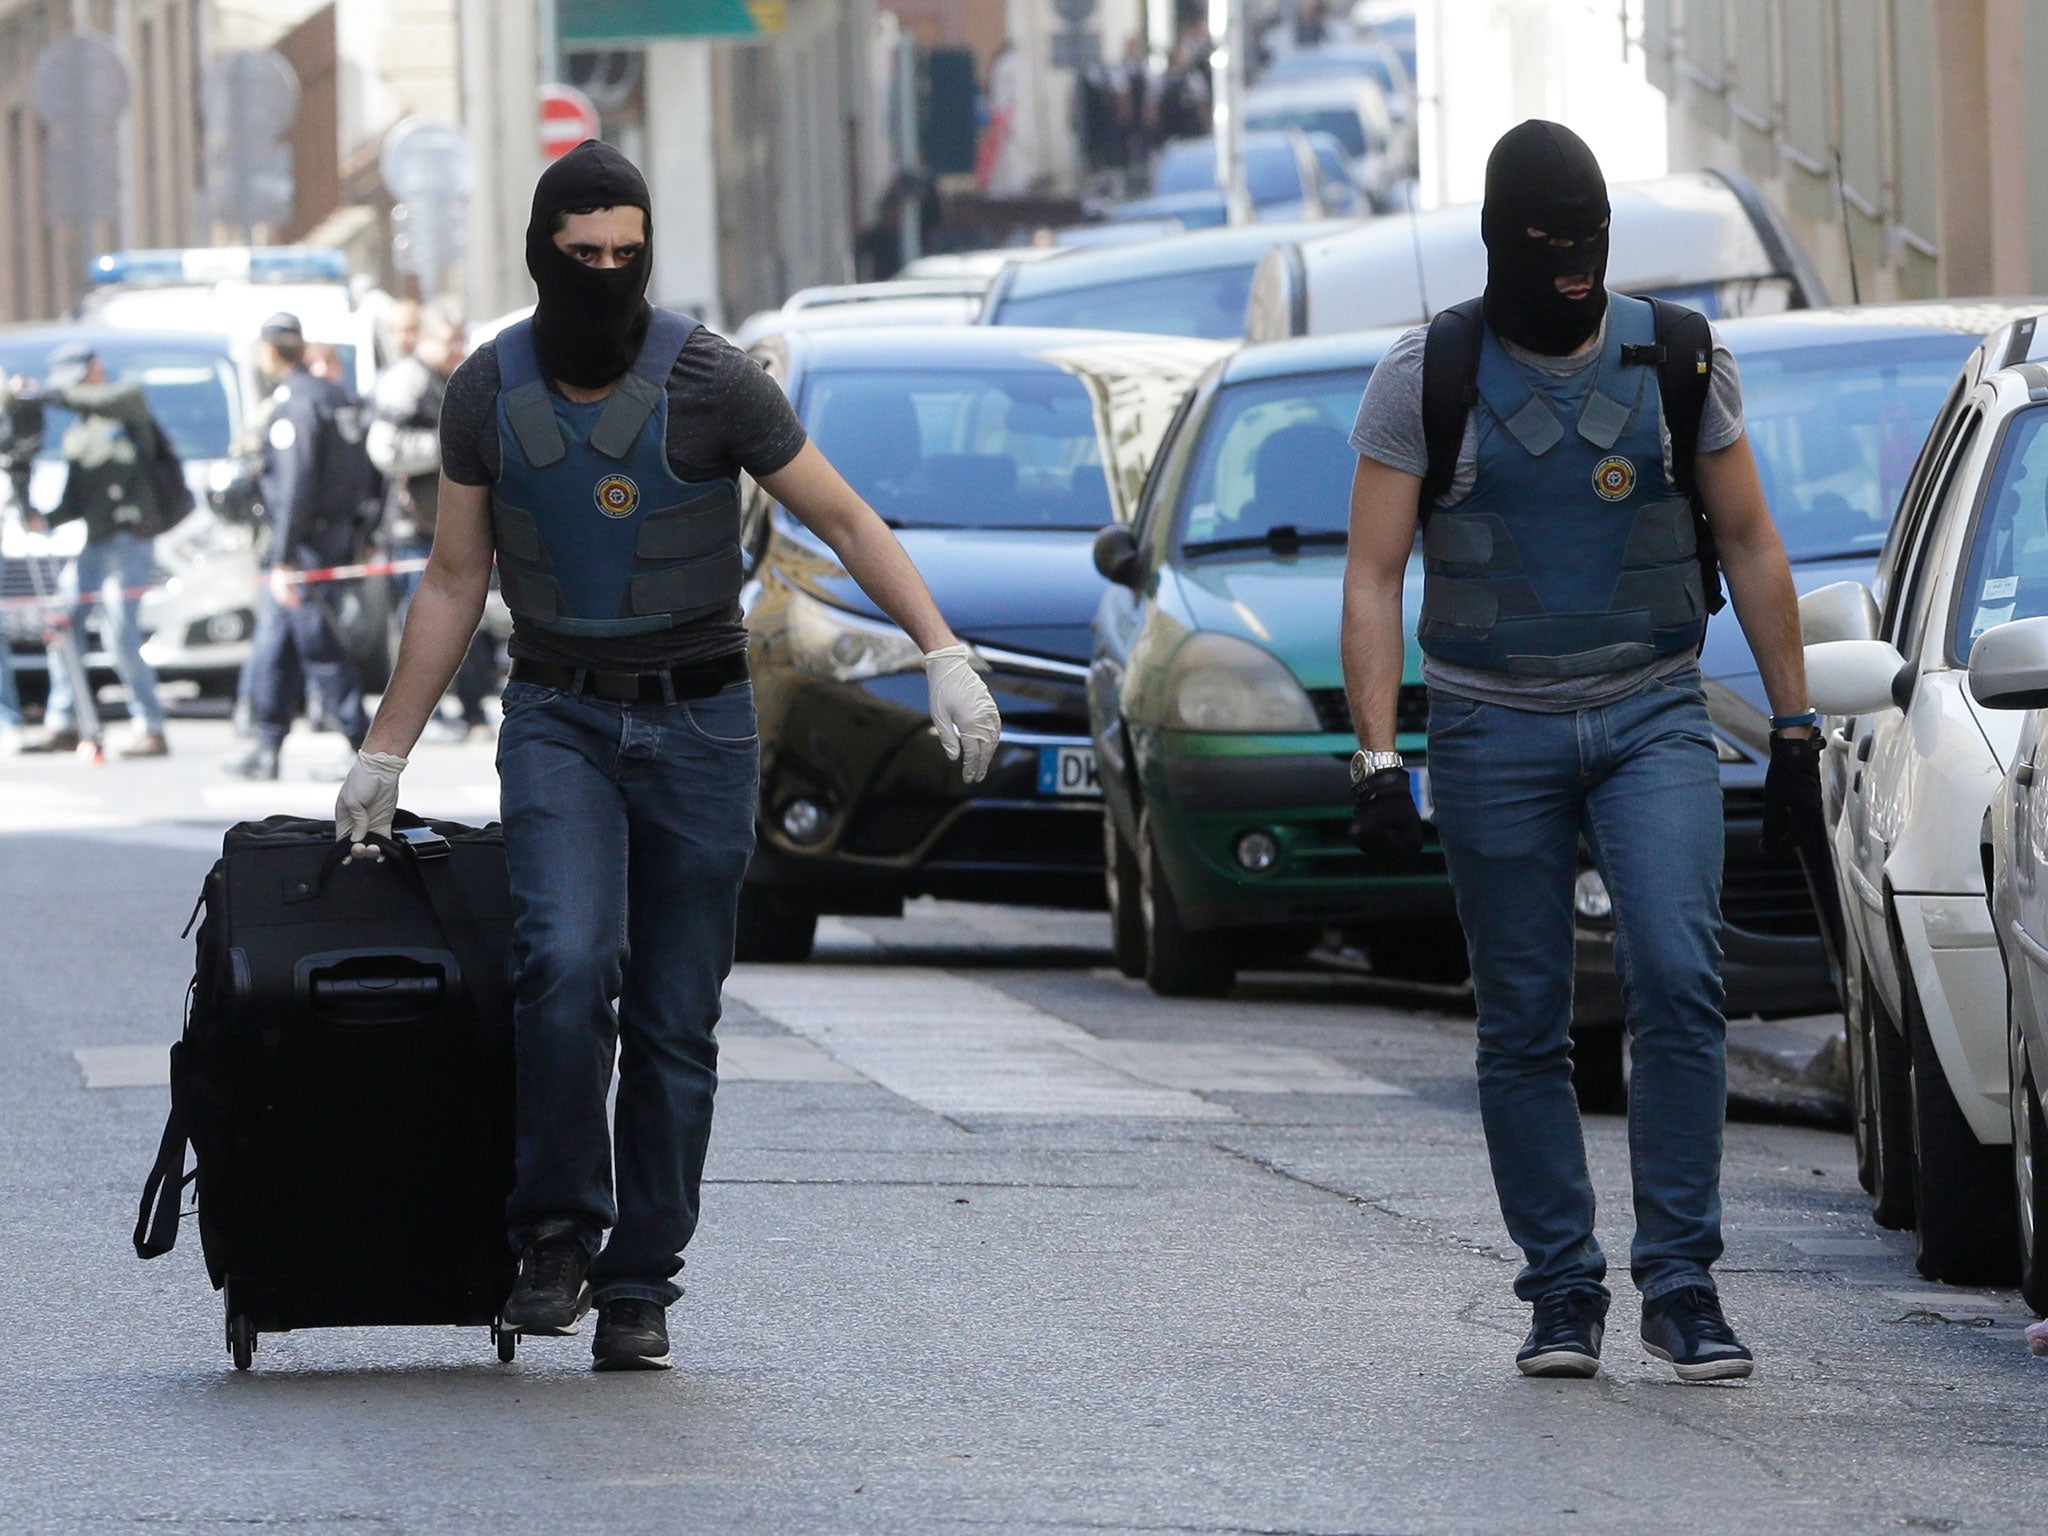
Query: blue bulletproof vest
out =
(1573, 554)
(595, 533)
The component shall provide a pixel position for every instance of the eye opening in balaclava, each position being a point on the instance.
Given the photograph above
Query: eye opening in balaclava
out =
(1541, 176)
(590, 321)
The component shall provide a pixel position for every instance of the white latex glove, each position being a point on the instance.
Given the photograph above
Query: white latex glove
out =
(367, 802)
(967, 719)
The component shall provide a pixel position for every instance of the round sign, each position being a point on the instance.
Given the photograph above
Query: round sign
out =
(566, 119)
(1613, 478)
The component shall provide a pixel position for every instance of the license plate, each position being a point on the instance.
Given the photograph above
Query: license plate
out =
(1068, 771)
(1418, 786)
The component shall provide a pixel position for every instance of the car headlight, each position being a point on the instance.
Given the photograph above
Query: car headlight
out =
(832, 643)
(1219, 683)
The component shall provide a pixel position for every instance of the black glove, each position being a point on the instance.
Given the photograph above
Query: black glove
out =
(1792, 805)
(1385, 826)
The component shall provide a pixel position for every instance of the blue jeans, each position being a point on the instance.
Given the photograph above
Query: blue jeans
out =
(1515, 791)
(111, 569)
(628, 829)
(297, 648)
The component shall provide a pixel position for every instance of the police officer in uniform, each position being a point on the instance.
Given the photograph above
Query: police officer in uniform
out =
(1563, 610)
(314, 491)
(595, 450)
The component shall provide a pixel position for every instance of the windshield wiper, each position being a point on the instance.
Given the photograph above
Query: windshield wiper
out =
(1286, 539)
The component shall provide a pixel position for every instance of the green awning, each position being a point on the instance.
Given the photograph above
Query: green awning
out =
(620, 23)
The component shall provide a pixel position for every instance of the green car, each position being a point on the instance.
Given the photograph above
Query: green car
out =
(1216, 697)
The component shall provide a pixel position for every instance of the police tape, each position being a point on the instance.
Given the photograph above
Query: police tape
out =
(296, 578)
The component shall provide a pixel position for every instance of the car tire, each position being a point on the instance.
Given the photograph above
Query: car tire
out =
(1178, 963)
(1889, 1073)
(1121, 881)
(1419, 951)
(774, 927)
(2030, 1182)
(1962, 1189)
(1600, 1069)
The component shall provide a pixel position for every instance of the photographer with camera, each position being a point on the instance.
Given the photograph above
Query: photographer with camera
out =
(125, 485)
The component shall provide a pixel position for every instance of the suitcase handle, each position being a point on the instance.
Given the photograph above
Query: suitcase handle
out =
(377, 986)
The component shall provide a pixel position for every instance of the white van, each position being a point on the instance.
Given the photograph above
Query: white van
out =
(1705, 239)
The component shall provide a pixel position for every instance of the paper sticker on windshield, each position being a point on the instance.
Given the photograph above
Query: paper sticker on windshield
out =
(2001, 586)
(1613, 477)
(1988, 618)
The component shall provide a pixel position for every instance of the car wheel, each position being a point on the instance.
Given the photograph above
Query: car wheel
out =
(1121, 880)
(1426, 951)
(2030, 1183)
(1888, 1065)
(1600, 1069)
(1178, 963)
(1962, 1189)
(774, 927)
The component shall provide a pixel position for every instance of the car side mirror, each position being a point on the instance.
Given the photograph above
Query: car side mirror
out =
(1842, 610)
(1855, 677)
(2009, 666)
(1116, 554)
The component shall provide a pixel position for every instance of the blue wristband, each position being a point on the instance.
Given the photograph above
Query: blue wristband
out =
(1793, 722)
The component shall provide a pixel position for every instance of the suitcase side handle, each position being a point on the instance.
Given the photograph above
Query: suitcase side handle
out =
(371, 987)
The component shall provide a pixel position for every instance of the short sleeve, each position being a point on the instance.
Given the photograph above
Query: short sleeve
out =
(1389, 426)
(761, 429)
(469, 441)
(1721, 416)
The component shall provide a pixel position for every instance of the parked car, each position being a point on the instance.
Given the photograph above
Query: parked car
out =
(1373, 59)
(1216, 693)
(1705, 239)
(1836, 403)
(1187, 285)
(1912, 762)
(948, 300)
(1352, 110)
(2009, 670)
(200, 618)
(1282, 179)
(996, 454)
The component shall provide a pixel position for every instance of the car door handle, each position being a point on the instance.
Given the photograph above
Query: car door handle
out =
(2023, 774)
(1838, 739)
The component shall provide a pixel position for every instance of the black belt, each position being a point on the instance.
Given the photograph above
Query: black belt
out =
(698, 680)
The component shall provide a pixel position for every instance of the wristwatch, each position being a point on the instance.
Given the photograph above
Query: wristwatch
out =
(1365, 764)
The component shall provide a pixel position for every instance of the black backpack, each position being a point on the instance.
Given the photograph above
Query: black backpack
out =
(169, 492)
(1683, 354)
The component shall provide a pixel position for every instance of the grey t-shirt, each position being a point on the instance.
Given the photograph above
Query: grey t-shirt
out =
(1389, 431)
(724, 415)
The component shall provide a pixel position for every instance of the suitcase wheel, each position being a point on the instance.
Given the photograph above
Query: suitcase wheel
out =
(507, 1341)
(241, 1340)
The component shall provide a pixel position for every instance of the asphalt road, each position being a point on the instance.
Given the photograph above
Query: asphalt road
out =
(993, 1241)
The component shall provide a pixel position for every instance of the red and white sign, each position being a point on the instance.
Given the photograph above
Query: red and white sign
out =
(566, 119)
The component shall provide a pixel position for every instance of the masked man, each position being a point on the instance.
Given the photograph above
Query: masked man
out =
(595, 451)
(1564, 605)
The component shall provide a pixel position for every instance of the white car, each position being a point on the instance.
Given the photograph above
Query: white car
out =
(2009, 670)
(1911, 764)
(1353, 111)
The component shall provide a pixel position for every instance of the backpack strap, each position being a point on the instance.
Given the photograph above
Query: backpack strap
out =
(1685, 377)
(1450, 385)
(156, 1223)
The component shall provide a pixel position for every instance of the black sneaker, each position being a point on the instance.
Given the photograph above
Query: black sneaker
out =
(551, 1294)
(1687, 1329)
(632, 1335)
(1564, 1338)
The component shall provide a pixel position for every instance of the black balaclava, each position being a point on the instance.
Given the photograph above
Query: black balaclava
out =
(590, 322)
(1542, 176)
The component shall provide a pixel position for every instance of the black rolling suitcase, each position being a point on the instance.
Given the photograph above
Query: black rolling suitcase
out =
(345, 1082)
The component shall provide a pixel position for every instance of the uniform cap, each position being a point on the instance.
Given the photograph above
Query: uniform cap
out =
(282, 326)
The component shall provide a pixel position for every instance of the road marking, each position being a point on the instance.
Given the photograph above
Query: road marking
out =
(124, 1066)
(956, 1046)
(1225, 1067)
(778, 1059)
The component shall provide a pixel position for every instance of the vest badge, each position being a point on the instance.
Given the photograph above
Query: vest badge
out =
(1613, 478)
(617, 496)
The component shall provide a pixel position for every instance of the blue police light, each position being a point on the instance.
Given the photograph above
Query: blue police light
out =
(216, 264)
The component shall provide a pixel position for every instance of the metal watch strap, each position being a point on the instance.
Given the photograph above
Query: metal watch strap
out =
(1365, 764)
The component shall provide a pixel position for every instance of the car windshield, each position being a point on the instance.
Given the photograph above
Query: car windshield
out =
(191, 393)
(1339, 123)
(2007, 574)
(987, 449)
(1207, 304)
(1836, 430)
(1309, 64)
(1270, 173)
(1275, 454)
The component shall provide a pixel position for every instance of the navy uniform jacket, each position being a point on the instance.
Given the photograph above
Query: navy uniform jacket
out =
(313, 513)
